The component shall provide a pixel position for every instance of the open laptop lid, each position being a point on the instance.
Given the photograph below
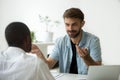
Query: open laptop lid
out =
(104, 72)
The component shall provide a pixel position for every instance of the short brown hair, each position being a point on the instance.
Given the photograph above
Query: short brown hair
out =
(73, 13)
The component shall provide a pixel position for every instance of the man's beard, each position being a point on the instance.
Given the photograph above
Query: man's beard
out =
(74, 36)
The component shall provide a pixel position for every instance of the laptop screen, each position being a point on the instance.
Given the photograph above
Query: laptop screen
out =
(104, 72)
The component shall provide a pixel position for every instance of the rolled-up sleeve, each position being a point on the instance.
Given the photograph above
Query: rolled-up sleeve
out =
(95, 49)
(55, 52)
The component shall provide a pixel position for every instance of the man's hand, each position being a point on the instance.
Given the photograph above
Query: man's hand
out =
(38, 52)
(83, 52)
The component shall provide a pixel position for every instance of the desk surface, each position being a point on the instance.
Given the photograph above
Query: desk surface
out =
(44, 43)
(67, 76)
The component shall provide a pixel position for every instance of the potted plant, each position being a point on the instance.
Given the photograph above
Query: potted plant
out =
(33, 38)
(48, 34)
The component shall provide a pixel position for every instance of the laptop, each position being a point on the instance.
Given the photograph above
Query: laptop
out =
(104, 72)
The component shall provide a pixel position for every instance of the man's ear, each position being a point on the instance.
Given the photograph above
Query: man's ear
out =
(82, 23)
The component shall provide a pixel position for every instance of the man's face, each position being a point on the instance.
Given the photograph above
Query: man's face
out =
(73, 26)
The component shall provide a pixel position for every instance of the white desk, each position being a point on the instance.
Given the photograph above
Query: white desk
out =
(67, 76)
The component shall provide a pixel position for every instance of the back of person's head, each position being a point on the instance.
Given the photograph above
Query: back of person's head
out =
(74, 13)
(18, 35)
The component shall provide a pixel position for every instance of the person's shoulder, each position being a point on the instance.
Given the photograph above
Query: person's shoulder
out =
(30, 57)
(34, 59)
(62, 38)
(91, 35)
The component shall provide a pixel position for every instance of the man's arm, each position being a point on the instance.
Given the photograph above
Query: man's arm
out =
(89, 61)
(51, 62)
(35, 50)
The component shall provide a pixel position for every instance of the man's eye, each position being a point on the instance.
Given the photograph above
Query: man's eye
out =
(67, 24)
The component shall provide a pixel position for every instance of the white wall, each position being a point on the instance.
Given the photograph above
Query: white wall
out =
(102, 19)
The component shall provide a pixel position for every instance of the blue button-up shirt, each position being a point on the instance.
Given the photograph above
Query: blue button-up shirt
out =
(62, 52)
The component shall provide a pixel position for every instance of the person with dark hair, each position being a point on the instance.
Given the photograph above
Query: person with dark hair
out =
(15, 62)
(77, 50)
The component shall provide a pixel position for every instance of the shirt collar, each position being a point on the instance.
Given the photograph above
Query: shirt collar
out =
(80, 43)
(83, 40)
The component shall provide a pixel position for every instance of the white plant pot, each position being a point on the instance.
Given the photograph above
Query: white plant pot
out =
(47, 36)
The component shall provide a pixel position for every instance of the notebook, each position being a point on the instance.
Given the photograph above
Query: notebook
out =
(104, 72)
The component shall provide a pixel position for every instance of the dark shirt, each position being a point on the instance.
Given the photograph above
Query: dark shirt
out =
(73, 66)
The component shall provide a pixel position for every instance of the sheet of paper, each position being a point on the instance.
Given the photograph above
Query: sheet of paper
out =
(57, 75)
